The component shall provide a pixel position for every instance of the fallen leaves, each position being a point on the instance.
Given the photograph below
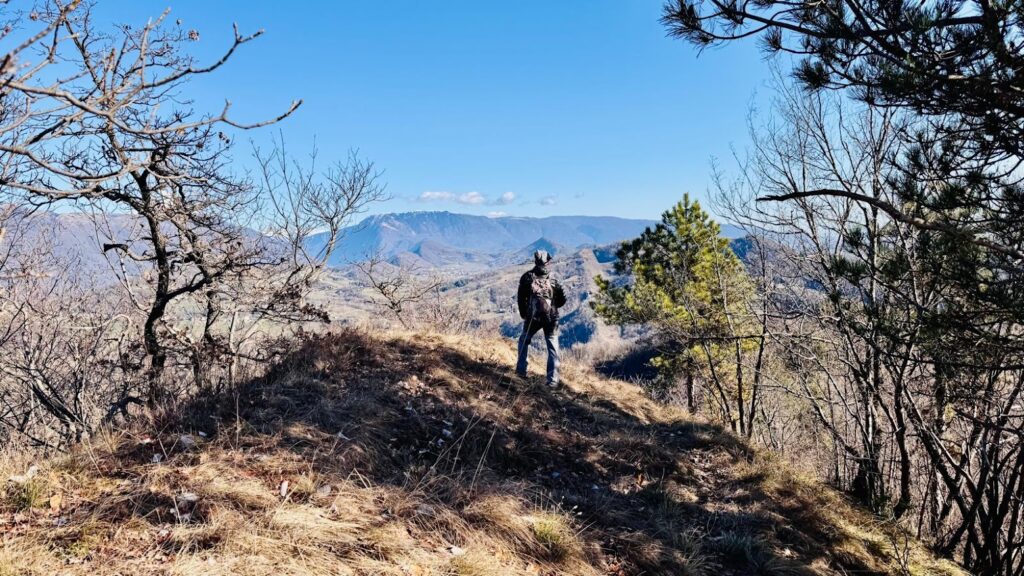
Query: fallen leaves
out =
(55, 502)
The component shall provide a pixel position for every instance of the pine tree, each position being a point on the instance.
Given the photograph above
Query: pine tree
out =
(683, 281)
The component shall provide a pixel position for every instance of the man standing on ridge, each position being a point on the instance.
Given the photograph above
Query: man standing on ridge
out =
(540, 296)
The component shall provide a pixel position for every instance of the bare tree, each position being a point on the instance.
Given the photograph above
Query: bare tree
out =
(310, 210)
(112, 134)
(405, 292)
(911, 370)
(204, 255)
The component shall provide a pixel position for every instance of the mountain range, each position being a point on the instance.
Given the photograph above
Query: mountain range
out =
(418, 239)
(439, 239)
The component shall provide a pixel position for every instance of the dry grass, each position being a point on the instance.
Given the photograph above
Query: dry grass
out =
(25, 559)
(25, 496)
(555, 536)
(415, 455)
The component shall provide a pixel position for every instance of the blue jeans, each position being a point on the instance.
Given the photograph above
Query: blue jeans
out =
(550, 338)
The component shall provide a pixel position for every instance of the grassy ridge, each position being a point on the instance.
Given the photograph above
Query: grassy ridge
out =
(415, 455)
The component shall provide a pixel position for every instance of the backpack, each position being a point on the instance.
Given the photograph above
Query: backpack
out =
(541, 307)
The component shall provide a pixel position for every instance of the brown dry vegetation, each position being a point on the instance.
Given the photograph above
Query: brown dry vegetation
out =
(416, 455)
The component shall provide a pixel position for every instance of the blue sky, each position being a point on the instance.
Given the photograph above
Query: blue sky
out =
(528, 108)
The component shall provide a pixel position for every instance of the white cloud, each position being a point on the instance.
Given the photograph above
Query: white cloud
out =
(436, 197)
(548, 201)
(496, 214)
(505, 199)
(473, 198)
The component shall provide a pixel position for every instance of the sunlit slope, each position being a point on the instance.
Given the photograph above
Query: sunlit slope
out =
(416, 455)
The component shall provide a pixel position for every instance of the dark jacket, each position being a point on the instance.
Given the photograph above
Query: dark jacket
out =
(557, 296)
